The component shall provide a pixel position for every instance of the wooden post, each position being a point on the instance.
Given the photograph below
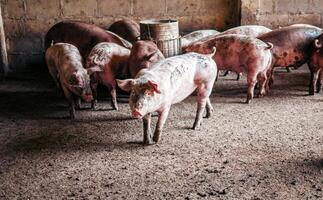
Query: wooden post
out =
(3, 46)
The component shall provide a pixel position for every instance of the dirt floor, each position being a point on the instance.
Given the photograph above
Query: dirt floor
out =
(270, 149)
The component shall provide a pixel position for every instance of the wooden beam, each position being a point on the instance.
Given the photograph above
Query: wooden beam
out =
(3, 46)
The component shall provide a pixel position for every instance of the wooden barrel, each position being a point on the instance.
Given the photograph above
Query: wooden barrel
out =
(164, 33)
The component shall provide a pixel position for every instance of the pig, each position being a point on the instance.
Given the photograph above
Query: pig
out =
(65, 66)
(249, 30)
(315, 65)
(240, 53)
(143, 54)
(112, 59)
(167, 82)
(82, 35)
(127, 29)
(293, 45)
(196, 35)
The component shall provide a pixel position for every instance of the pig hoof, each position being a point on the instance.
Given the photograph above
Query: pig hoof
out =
(196, 127)
(311, 93)
(148, 142)
(248, 101)
(156, 139)
(208, 113)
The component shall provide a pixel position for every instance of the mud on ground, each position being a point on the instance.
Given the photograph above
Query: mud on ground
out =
(270, 149)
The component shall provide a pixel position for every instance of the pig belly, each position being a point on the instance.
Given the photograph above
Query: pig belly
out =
(184, 90)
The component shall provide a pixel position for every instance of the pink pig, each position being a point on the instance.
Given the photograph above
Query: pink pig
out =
(167, 82)
(113, 60)
(64, 64)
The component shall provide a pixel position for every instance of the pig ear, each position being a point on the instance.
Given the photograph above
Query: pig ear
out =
(125, 85)
(150, 56)
(91, 70)
(153, 86)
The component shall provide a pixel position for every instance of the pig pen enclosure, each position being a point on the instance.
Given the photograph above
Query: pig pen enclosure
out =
(269, 149)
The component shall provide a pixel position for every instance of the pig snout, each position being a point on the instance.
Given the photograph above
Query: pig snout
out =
(88, 97)
(136, 114)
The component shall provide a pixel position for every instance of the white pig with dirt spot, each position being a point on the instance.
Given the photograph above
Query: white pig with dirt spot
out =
(64, 64)
(167, 82)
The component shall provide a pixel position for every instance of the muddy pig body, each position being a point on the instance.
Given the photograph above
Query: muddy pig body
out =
(293, 45)
(315, 65)
(82, 35)
(167, 82)
(113, 60)
(143, 55)
(127, 29)
(240, 53)
(248, 30)
(195, 36)
(65, 66)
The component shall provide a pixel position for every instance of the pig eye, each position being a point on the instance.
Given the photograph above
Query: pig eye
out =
(149, 93)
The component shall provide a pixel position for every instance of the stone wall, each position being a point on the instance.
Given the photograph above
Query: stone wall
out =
(275, 13)
(26, 21)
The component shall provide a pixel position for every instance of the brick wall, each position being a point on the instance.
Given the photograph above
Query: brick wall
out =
(26, 21)
(275, 13)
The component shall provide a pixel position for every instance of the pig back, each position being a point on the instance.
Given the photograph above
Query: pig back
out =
(196, 35)
(179, 75)
(292, 45)
(66, 58)
(234, 52)
(82, 35)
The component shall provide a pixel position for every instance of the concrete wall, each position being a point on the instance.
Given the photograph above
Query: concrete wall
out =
(26, 21)
(275, 13)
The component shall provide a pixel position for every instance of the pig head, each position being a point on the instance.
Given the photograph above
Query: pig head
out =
(143, 54)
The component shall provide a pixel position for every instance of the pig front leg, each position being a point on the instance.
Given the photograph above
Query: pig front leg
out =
(238, 76)
(162, 116)
(71, 102)
(113, 93)
(77, 102)
(251, 80)
(114, 98)
(147, 129)
(94, 102)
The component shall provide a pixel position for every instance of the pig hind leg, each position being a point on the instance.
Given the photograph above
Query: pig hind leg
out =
(147, 129)
(262, 79)
(319, 82)
(203, 100)
(251, 80)
(313, 80)
(162, 116)
(209, 108)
